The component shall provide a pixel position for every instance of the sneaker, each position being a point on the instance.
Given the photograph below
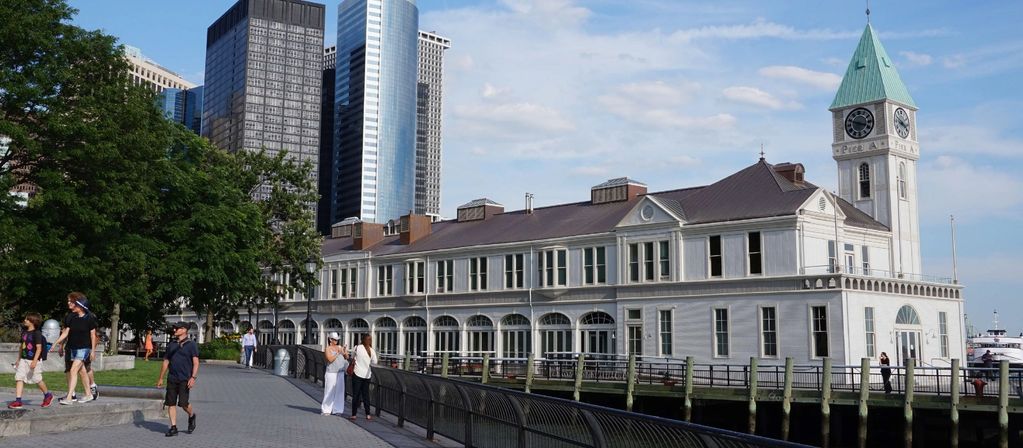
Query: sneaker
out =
(66, 401)
(87, 399)
(191, 423)
(173, 431)
(16, 404)
(74, 397)
(95, 392)
(47, 400)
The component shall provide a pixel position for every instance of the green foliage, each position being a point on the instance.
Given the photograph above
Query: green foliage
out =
(220, 348)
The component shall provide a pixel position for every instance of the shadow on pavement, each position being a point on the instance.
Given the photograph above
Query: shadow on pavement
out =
(304, 408)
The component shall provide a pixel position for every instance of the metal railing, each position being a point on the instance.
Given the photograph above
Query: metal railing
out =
(484, 416)
(876, 273)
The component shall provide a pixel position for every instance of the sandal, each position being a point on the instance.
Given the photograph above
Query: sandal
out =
(352, 418)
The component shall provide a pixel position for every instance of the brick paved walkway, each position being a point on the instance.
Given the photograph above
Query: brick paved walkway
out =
(236, 408)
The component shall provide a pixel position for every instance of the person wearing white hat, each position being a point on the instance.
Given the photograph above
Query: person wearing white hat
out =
(334, 379)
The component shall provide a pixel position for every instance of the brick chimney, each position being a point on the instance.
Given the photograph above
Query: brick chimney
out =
(413, 227)
(794, 172)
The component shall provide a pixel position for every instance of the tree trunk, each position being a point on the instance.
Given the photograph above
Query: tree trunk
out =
(115, 329)
(209, 325)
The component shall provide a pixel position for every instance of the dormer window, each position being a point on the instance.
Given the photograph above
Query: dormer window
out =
(864, 181)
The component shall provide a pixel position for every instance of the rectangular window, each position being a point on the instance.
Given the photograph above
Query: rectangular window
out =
(664, 257)
(868, 328)
(832, 257)
(344, 283)
(819, 317)
(553, 267)
(715, 256)
(562, 267)
(665, 332)
(333, 283)
(850, 258)
(720, 332)
(635, 340)
(594, 266)
(648, 261)
(865, 259)
(445, 275)
(634, 262)
(353, 285)
(943, 332)
(348, 282)
(769, 331)
(415, 277)
(384, 280)
(478, 274)
(753, 248)
(513, 268)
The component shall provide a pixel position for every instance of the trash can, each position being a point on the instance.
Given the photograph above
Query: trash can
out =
(281, 361)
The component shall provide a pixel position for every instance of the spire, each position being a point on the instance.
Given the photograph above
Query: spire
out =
(871, 76)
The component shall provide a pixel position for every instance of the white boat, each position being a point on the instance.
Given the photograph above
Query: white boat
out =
(1001, 346)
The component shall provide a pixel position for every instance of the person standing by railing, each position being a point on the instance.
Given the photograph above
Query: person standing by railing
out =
(334, 379)
(249, 345)
(363, 356)
(886, 373)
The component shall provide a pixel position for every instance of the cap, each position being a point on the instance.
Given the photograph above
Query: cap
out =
(333, 335)
(176, 325)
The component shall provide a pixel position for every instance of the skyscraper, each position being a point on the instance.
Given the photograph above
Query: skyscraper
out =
(183, 106)
(146, 72)
(263, 73)
(429, 93)
(375, 106)
(324, 217)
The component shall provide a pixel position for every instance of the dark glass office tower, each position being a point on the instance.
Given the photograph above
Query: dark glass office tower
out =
(263, 79)
(182, 106)
(375, 103)
(324, 218)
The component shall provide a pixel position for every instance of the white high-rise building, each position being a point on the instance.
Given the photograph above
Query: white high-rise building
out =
(429, 96)
(146, 72)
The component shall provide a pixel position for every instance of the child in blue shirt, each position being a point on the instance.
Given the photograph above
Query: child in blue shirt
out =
(28, 369)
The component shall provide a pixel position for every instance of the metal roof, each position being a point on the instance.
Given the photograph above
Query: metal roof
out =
(618, 182)
(871, 76)
(479, 203)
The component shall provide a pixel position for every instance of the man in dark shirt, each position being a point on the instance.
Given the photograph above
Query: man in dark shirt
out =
(80, 334)
(182, 360)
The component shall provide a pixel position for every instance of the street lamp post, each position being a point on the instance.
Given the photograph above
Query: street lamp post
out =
(310, 265)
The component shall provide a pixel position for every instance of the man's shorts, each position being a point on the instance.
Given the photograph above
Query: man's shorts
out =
(177, 393)
(68, 361)
(27, 374)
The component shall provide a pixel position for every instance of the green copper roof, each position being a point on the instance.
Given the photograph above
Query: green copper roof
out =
(871, 76)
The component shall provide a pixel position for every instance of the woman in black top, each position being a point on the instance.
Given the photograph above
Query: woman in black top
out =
(886, 373)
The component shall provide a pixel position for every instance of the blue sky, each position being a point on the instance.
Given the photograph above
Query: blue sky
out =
(554, 96)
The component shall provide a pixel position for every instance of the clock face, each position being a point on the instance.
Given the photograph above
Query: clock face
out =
(902, 122)
(859, 123)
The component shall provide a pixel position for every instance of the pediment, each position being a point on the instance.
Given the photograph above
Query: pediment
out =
(821, 203)
(650, 210)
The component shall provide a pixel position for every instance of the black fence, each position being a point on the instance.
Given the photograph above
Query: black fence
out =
(484, 416)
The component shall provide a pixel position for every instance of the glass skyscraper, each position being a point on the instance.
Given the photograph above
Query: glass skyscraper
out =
(375, 106)
(429, 94)
(263, 72)
(182, 106)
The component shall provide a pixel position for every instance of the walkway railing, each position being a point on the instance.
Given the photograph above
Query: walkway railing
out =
(483, 416)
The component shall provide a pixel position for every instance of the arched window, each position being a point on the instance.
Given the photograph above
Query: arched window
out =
(516, 340)
(555, 336)
(907, 316)
(864, 181)
(598, 332)
(415, 335)
(481, 335)
(265, 329)
(386, 339)
(446, 336)
(314, 332)
(902, 180)
(357, 329)
(286, 332)
(226, 328)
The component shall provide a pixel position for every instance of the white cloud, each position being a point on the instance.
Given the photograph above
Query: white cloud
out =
(970, 192)
(552, 13)
(759, 28)
(963, 139)
(835, 62)
(917, 59)
(756, 97)
(490, 91)
(954, 61)
(821, 80)
(590, 170)
(515, 118)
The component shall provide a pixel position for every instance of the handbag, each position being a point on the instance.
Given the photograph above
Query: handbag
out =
(351, 365)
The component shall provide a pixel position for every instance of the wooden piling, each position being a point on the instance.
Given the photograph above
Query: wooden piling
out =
(578, 377)
(864, 395)
(406, 365)
(953, 411)
(786, 400)
(630, 382)
(485, 375)
(1003, 403)
(444, 366)
(751, 425)
(826, 404)
(530, 361)
(907, 406)
(688, 404)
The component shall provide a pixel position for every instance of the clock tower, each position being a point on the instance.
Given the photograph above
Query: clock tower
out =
(876, 148)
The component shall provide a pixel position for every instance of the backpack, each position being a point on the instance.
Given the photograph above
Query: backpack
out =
(44, 345)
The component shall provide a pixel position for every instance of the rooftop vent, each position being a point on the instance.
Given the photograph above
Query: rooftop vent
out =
(792, 171)
(413, 227)
(479, 209)
(343, 229)
(617, 190)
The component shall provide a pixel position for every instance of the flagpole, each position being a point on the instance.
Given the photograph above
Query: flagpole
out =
(955, 270)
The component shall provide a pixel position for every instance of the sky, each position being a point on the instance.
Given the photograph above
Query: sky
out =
(554, 96)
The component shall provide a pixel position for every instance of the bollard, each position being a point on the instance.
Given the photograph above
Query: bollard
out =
(689, 389)
(281, 361)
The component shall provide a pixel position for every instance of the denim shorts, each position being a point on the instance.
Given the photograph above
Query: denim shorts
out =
(80, 354)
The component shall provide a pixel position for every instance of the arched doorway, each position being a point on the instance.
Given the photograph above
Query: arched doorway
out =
(908, 335)
(481, 335)
(357, 329)
(265, 329)
(386, 339)
(415, 336)
(286, 332)
(598, 333)
(516, 340)
(555, 336)
(314, 332)
(446, 336)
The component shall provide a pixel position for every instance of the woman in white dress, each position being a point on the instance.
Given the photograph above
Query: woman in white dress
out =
(334, 379)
